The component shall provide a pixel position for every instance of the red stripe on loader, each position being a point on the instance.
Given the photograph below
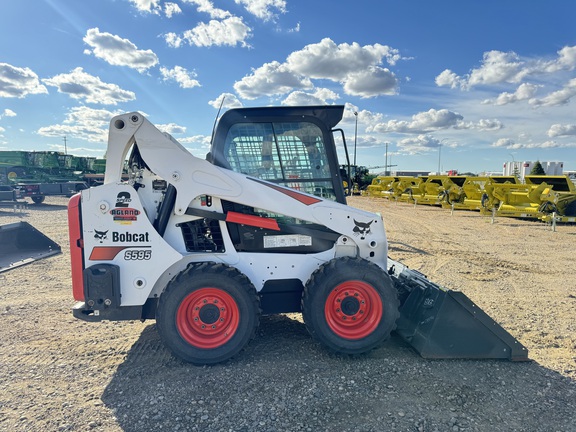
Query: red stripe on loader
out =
(303, 198)
(106, 253)
(252, 220)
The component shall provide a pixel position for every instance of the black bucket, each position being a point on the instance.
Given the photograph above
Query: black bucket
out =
(21, 243)
(444, 324)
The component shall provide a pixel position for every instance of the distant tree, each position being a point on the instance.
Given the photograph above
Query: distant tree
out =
(537, 169)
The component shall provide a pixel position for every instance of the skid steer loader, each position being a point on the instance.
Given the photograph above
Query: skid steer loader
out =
(205, 247)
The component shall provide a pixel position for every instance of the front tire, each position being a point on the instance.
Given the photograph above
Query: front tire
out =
(208, 313)
(350, 305)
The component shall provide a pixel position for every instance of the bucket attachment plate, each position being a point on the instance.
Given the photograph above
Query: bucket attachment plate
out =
(21, 243)
(442, 324)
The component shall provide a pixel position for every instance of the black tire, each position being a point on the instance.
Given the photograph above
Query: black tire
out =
(38, 199)
(350, 305)
(208, 313)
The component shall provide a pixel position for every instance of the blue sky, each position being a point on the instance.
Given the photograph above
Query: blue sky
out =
(469, 84)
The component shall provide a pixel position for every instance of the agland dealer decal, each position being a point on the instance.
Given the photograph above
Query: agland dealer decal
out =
(122, 213)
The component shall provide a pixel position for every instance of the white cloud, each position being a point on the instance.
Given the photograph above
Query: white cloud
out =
(566, 60)
(80, 85)
(558, 130)
(499, 67)
(271, 79)
(487, 125)
(7, 113)
(320, 96)
(173, 40)
(326, 60)
(230, 101)
(171, 128)
(184, 78)
(374, 81)
(524, 92)
(82, 123)
(229, 32)
(511, 144)
(434, 120)
(171, 9)
(263, 8)
(119, 52)
(448, 79)
(428, 121)
(207, 6)
(353, 66)
(149, 6)
(418, 144)
(557, 98)
(504, 142)
(365, 117)
(295, 29)
(19, 82)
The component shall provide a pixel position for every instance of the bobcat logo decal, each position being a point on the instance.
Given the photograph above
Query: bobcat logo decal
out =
(361, 229)
(100, 235)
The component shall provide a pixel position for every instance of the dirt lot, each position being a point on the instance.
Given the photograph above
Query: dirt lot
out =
(60, 374)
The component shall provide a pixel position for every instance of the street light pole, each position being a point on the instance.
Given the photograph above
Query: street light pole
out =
(386, 161)
(355, 135)
(513, 170)
(440, 152)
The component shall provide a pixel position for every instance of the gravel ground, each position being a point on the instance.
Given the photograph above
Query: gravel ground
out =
(61, 374)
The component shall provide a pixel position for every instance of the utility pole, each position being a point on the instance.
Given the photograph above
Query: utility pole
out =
(65, 146)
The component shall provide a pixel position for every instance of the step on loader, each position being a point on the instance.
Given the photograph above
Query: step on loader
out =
(205, 247)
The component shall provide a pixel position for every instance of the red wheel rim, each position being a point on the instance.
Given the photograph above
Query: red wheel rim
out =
(207, 318)
(353, 310)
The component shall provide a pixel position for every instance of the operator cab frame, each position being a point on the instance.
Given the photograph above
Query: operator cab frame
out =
(289, 146)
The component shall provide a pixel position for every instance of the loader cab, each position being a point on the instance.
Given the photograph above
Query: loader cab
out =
(289, 146)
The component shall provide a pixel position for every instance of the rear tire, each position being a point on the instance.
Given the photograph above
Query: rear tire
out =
(350, 305)
(38, 199)
(208, 313)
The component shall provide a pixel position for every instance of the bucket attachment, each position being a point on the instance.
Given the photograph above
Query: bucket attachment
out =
(21, 243)
(443, 324)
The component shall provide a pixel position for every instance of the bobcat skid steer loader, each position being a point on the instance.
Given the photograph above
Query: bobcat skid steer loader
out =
(205, 247)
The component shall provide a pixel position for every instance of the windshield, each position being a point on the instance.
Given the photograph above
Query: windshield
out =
(292, 154)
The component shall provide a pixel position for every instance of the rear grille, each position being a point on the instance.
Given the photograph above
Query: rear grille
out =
(202, 235)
